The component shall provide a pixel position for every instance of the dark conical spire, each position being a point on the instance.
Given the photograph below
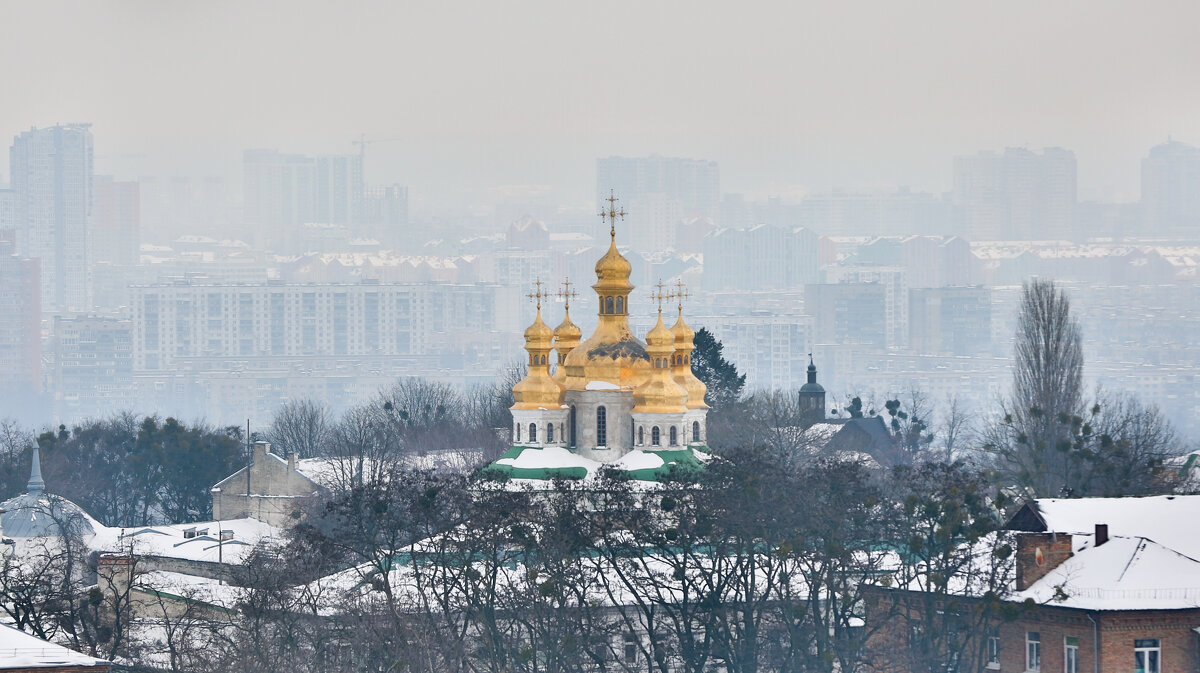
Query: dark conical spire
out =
(36, 485)
(812, 370)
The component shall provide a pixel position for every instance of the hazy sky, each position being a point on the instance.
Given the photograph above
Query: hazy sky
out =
(785, 95)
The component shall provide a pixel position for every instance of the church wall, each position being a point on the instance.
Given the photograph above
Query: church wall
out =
(617, 404)
(664, 423)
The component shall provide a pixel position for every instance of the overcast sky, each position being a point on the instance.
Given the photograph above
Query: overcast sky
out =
(786, 95)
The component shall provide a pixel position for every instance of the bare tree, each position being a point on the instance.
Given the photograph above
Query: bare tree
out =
(302, 427)
(1046, 404)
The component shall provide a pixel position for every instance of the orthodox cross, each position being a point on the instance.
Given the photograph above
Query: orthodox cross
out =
(680, 293)
(660, 296)
(566, 293)
(537, 295)
(611, 214)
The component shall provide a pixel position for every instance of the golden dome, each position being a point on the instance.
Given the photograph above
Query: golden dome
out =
(612, 354)
(537, 390)
(681, 364)
(612, 270)
(660, 393)
(566, 338)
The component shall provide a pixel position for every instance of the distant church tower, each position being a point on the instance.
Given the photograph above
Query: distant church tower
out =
(812, 397)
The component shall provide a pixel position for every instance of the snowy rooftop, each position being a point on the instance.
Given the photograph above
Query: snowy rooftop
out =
(190, 541)
(20, 650)
(1170, 520)
(1125, 573)
(529, 465)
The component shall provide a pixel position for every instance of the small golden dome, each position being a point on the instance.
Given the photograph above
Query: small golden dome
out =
(567, 331)
(681, 364)
(660, 393)
(538, 332)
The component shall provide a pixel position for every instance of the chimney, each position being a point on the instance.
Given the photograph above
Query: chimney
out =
(260, 450)
(1101, 534)
(1038, 554)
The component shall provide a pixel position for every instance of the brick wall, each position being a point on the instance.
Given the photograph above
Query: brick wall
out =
(1055, 548)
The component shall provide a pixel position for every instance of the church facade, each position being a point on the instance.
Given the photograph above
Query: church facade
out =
(612, 399)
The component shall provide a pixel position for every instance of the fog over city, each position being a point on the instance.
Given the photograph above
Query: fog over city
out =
(560, 337)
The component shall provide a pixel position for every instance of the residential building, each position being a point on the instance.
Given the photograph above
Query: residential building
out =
(20, 328)
(51, 172)
(93, 366)
(894, 281)
(115, 231)
(1171, 191)
(1016, 195)
(760, 258)
(695, 184)
(950, 320)
(849, 313)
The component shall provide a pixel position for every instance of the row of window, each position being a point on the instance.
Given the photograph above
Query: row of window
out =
(602, 431)
(1147, 653)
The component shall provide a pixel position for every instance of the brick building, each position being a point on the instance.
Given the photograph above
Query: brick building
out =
(1104, 585)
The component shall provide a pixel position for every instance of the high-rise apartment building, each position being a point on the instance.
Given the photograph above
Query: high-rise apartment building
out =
(1171, 191)
(950, 320)
(115, 231)
(848, 313)
(93, 366)
(198, 319)
(20, 327)
(52, 186)
(1017, 195)
(286, 191)
(760, 258)
(662, 187)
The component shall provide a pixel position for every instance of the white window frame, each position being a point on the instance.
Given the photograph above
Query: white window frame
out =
(1033, 651)
(993, 652)
(1070, 654)
(1142, 647)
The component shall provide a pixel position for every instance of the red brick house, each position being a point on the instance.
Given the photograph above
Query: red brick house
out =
(1101, 585)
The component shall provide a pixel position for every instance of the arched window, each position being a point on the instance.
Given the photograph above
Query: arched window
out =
(608, 305)
(674, 436)
(602, 425)
(695, 431)
(572, 422)
(549, 433)
(518, 432)
(533, 432)
(620, 304)
(655, 440)
(641, 437)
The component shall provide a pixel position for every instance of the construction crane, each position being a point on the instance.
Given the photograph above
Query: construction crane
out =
(362, 143)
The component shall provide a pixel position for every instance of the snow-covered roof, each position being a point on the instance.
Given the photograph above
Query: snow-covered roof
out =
(20, 650)
(1170, 520)
(189, 541)
(1124, 573)
(533, 465)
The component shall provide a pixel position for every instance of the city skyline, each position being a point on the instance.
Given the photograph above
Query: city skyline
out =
(485, 109)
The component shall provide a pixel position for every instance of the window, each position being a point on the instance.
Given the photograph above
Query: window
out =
(641, 437)
(1070, 654)
(1033, 651)
(674, 436)
(654, 436)
(620, 304)
(993, 652)
(601, 426)
(608, 305)
(695, 431)
(630, 650)
(518, 432)
(572, 421)
(1147, 656)
(533, 432)
(549, 433)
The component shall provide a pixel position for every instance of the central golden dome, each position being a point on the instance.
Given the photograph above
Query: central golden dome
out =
(612, 354)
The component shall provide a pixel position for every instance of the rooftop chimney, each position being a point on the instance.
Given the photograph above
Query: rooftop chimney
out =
(1101, 533)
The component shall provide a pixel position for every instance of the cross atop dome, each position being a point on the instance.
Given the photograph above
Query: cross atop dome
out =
(566, 293)
(661, 296)
(537, 295)
(611, 214)
(680, 293)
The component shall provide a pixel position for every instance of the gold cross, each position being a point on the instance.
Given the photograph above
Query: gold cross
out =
(680, 293)
(566, 293)
(611, 214)
(660, 296)
(538, 295)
